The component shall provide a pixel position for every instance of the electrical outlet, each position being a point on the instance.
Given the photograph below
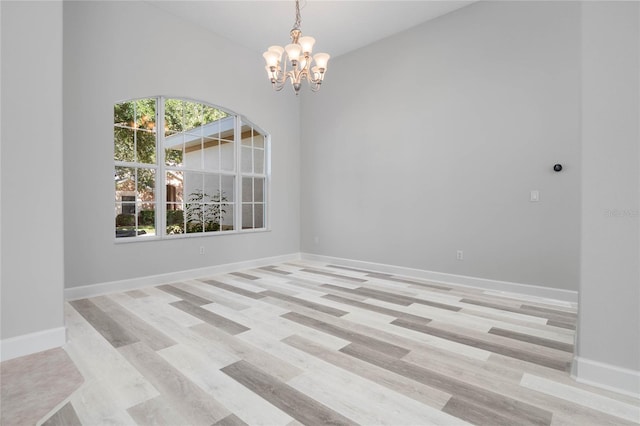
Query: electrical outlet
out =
(460, 255)
(201, 250)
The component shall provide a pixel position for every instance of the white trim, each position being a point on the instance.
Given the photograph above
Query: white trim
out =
(586, 398)
(506, 288)
(92, 290)
(606, 376)
(31, 343)
(161, 175)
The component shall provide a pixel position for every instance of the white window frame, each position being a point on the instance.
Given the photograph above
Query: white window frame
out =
(160, 190)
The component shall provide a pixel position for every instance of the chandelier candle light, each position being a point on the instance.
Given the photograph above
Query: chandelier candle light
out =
(299, 54)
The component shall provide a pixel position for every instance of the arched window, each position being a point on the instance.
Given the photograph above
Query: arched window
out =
(206, 172)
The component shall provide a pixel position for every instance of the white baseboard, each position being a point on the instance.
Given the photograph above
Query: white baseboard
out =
(93, 290)
(503, 288)
(31, 343)
(606, 376)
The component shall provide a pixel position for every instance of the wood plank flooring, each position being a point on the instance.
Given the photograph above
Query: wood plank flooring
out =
(32, 386)
(314, 344)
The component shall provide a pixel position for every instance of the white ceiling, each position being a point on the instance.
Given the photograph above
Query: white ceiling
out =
(339, 26)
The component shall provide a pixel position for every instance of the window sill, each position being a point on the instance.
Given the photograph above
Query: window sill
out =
(140, 239)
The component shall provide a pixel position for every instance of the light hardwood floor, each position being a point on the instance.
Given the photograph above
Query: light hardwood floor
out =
(311, 343)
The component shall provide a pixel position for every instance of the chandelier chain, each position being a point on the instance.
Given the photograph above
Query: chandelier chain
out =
(296, 25)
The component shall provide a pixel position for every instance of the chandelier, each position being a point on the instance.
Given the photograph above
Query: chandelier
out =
(299, 54)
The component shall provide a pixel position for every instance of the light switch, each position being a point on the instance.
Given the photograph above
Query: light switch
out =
(535, 196)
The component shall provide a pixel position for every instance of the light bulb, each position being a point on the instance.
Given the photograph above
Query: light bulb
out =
(293, 51)
(321, 60)
(270, 58)
(307, 43)
(277, 50)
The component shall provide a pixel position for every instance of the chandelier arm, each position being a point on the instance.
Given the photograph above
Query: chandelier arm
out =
(307, 76)
(306, 71)
(317, 81)
(314, 85)
(280, 76)
(280, 81)
(283, 71)
(296, 75)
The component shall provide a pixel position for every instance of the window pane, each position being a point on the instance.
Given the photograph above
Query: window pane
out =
(214, 214)
(128, 205)
(247, 216)
(211, 188)
(175, 219)
(125, 192)
(228, 188)
(211, 154)
(173, 116)
(146, 184)
(211, 217)
(175, 186)
(192, 151)
(173, 154)
(123, 114)
(247, 134)
(223, 210)
(193, 185)
(123, 143)
(227, 156)
(258, 190)
(125, 222)
(246, 160)
(125, 181)
(212, 128)
(259, 215)
(258, 139)
(192, 116)
(146, 114)
(258, 158)
(176, 145)
(145, 147)
(226, 218)
(194, 217)
(247, 190)
(211, 114)
(147, 219)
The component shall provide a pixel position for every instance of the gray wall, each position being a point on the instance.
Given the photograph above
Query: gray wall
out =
(119, 50)
(610, 282)
(31, 132)
(430, 142)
